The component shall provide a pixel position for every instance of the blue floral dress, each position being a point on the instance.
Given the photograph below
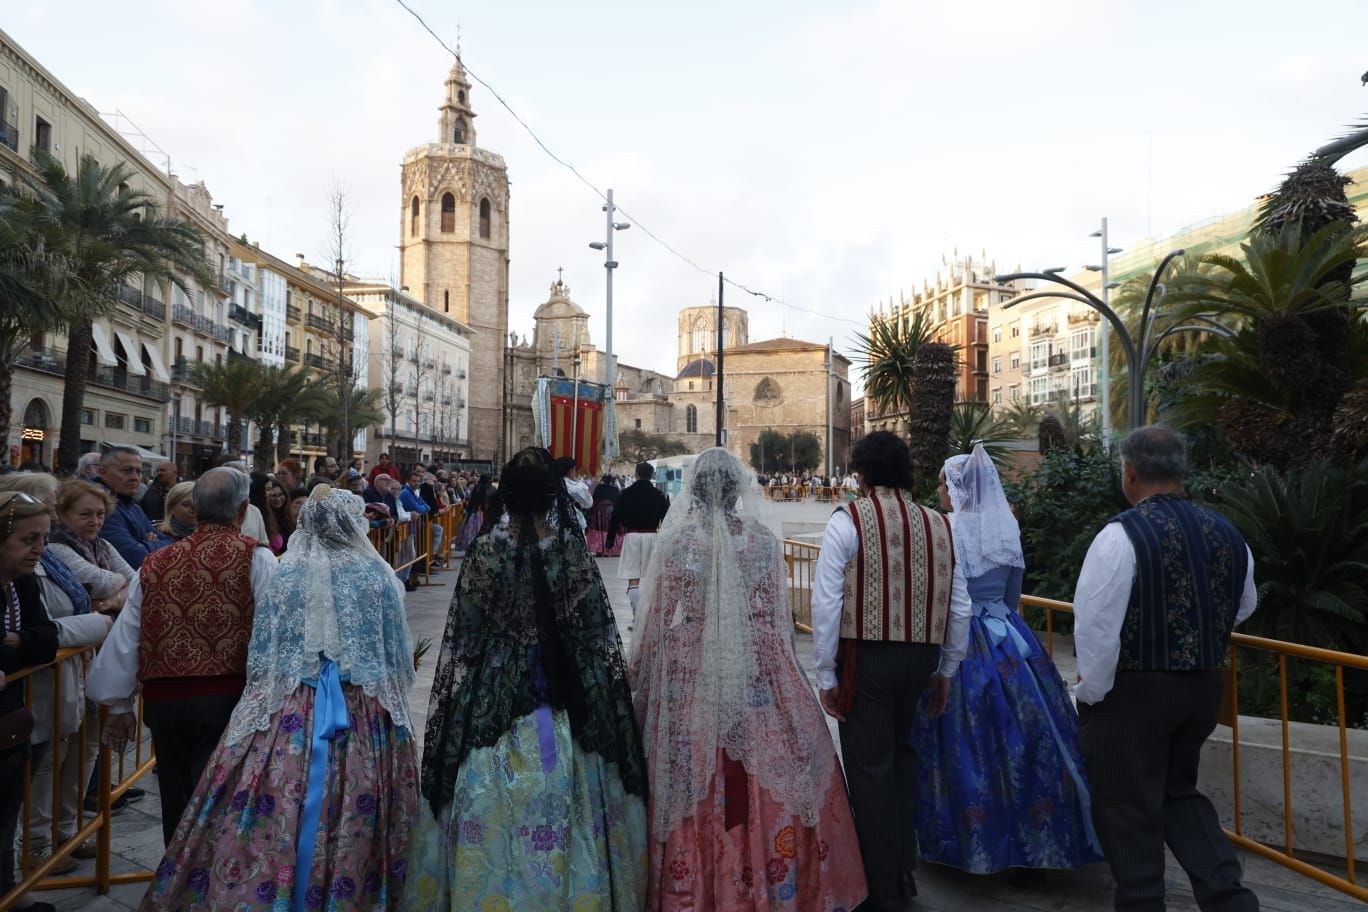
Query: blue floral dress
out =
(1000, 776)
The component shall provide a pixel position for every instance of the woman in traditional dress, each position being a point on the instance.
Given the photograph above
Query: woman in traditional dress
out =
(533, 774)
(606, 495)
(473, 515)
(309, 799)
(1000, 778)
(748, 804)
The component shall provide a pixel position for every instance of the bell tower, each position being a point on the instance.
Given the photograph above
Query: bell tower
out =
(454, 248)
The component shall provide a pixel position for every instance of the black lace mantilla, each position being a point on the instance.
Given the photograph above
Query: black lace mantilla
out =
(526, 628)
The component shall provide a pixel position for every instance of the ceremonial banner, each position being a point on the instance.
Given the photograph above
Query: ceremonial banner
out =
(572, 419)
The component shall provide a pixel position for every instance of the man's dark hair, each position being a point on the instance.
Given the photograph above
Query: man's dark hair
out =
(883, 460)
(1157, 454)
(645, 471)
(321, 463)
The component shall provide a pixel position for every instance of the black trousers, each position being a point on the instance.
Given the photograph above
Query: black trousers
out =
(881, 767)
(184, 735)
(1142, 745)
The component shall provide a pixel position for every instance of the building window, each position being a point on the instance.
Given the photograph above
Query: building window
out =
(767, 392)
(114, 421)
(997, 365)
(699, 342)
(1016, 360)
(42, 134)
(448, 213)
(458, 133)
(1040, 355)
(997, 396)
(997, 333)
(1016, 329)
(180, 348)
(199, 353)
(142, 425)
(1081, 345)
(638, 424)
(980, 390)
(484, 218)
(446, 301)
(691, 419)
(87, 416)
(413, 230)
(981, 362)
(1040, 390)
(1014, 392)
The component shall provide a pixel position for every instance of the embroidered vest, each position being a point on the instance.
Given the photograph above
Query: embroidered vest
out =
(1190, 567)
(897, 588)
(197, 606)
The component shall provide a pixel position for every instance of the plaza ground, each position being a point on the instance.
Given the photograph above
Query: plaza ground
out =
(137, 843)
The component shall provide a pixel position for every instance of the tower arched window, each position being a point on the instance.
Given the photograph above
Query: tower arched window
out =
(484, 217)
(699, 343)
(691, 420)
(458, 133)
(448, 213)
(413, 217)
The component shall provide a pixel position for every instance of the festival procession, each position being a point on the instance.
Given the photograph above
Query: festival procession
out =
(905, 574)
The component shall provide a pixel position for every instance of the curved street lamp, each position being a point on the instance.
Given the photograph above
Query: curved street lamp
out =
(1139, 352)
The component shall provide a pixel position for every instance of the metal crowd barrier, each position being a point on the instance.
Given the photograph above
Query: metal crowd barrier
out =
(115, 778)
(801, 561)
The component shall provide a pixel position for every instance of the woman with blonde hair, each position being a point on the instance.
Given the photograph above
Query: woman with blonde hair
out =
(75, 539)
(180, 511)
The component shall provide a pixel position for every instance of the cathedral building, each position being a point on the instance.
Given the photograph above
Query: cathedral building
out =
(454, 253)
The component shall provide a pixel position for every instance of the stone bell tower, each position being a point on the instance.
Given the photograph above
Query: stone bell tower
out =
(454, 249)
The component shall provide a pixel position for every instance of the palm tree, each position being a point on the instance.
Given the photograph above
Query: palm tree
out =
(889, 356)
(29, 277)
(233, 385)
(285, 395)
(1021, 417)
(932, 405)
(973, 422)
(109, 235)
(363, 411)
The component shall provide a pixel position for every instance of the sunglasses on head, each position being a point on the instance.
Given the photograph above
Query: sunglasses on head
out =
(10, 499)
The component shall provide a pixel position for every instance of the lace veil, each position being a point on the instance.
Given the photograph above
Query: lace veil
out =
(986, 532)
(713, 665)
(335, 597)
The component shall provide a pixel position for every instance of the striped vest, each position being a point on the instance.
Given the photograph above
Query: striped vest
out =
(897, 588)
(1190, 567)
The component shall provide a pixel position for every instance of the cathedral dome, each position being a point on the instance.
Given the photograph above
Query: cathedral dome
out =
(701, 367)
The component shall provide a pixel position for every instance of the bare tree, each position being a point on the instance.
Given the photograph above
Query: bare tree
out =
(339, 225)
(392, 370)
(421, 372)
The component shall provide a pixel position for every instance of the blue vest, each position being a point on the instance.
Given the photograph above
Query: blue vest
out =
(1190, 567)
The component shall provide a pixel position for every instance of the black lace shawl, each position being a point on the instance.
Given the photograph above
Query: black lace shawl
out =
(529, 625)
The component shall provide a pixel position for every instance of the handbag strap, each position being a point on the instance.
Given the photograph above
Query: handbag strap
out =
(13, 618)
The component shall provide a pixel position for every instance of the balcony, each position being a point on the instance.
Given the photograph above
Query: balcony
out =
(320, 323)
(47, 360)
(461, 374)
(235, 355)
(210, 429)
(184, 425)
(119, 379)
(180, 371)
(446, 368)
(1084, 354)
(240, 314)
(293, 314)
(1084, 316)
(153, 308)
(222, 333)
(184, 316)
(318, 361)
(130, 296)
(291, 354)
(225, 284)
(1059, 359)
(9, 135)
(1042, 329)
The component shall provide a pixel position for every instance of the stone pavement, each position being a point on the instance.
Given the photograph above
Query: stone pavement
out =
(137, 831)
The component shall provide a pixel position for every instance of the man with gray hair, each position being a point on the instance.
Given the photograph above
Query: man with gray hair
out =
(1161, 588)
(86, 466)
(127, 527)
(183, 634)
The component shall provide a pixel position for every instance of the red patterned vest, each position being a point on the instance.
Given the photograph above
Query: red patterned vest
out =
(197, 608)
(897, 588)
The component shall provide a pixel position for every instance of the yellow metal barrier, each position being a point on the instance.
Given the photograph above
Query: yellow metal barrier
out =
(110, 789)
(801, 560)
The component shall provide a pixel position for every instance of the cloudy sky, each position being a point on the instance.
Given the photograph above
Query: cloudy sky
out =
(828, 154)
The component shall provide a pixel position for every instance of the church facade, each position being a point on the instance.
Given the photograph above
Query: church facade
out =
(454, 252)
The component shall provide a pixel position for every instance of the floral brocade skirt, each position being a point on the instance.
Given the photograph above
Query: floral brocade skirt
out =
(466, 532)
(235, 846)
(769, 862)
(536, 823)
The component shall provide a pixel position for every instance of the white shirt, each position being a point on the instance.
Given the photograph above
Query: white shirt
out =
(1100, 603)
(114, 674)
(840, 544)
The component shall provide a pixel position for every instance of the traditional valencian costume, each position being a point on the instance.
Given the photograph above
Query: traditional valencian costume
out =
(309, 799)
(533, 773)
(748, 805)
(1000, 776)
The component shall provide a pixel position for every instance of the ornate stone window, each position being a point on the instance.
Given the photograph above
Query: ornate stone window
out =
(458, 133)
(691, 420)
(413, 217)
(448, 213)
(767, 392)
(484, 218)
(699, 343)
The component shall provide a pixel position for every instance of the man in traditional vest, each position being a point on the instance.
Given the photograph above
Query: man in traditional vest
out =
(183, 635)
(887, 588)
(1160, 589)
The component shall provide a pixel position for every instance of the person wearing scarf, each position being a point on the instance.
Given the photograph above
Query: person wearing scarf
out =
(180, 511)
(82, 508)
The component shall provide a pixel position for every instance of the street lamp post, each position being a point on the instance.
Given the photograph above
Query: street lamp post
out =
(609, 264)
(1139, 351)
(1104, 341)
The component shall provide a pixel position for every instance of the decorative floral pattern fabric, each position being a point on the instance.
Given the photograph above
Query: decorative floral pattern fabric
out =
(470, 527)
(535, 823)
(771, 862)
(1001, 782)
(235, 846)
